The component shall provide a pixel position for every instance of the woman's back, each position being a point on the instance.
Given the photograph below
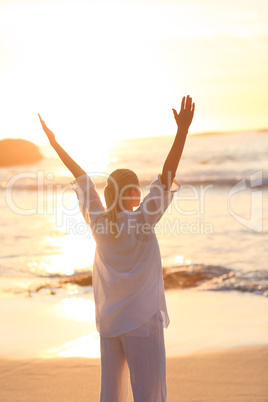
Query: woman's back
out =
(127, 272)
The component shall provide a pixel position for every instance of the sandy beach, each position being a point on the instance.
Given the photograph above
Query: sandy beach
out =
(238, 374)
(168, 90)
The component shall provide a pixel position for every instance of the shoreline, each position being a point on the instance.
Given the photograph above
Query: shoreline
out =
(237, 374)
(179, 277)
(63, 325)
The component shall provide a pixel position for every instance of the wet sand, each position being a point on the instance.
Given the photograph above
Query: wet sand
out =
(238, 374)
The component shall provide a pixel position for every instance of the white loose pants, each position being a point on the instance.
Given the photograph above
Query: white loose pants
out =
(142, 352)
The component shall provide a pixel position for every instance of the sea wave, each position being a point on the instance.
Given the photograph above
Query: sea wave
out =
(199, 276)
(217, 278)
(217, 182)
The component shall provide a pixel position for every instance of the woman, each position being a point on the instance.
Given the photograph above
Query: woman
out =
(128, 283)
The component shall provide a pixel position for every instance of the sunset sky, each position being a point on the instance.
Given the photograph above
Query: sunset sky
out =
(98, 70)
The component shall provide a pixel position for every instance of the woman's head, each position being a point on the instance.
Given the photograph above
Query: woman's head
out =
(122, 192)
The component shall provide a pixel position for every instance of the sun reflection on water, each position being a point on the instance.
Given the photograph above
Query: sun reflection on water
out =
(67, 254)
(76, 308)
(80, 310)
(94, 159)
(179, 259)
(84, 346)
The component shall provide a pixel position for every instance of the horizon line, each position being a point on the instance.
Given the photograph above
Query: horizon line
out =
(197, 133)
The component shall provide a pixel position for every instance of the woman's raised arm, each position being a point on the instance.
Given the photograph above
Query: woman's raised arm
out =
(74, 168)
(183, 120)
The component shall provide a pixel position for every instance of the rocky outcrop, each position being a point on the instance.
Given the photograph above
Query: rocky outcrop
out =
(18, 152)
(81, 280)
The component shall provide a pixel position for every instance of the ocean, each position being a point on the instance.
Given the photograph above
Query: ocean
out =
(219, 217)
(216, 224)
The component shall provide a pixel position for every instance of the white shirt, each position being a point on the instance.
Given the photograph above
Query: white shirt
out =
(127, 273)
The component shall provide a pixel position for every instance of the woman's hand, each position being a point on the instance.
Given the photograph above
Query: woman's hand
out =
(49, 133)
(185, 117)
(66, 159)
(183, 120)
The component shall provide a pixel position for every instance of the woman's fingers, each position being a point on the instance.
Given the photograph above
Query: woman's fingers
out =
(185, 117)
(175, 113)
(183, 103)
(41, 120)
(188, 103)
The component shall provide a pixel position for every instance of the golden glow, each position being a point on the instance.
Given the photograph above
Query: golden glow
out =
(75, 251)
(87, 79)
(97, 71)
(76, 308)
(84, 346)
(81, 310)
(95, 157)
(179, 259)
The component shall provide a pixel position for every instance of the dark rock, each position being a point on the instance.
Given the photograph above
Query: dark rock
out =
(81, 280)
(18, 152)
(174, 278)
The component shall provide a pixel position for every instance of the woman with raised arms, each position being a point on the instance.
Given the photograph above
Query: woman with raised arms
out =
(128, 286)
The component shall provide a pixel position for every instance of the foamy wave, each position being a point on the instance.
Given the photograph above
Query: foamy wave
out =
(217, 278)
(199, 276)
(254, 282)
